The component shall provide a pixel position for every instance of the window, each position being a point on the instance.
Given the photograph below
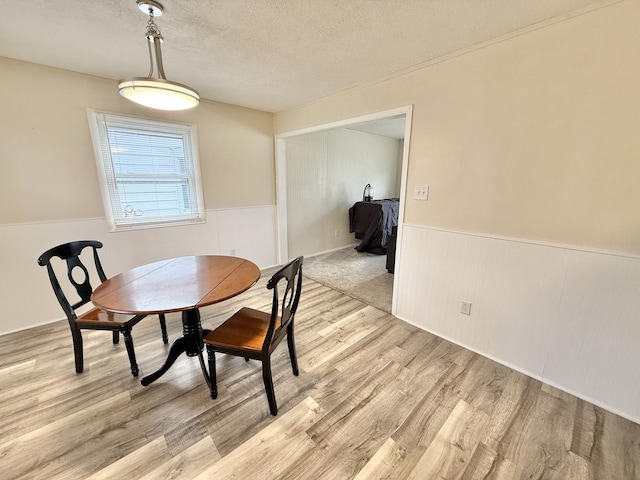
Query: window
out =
(149, 171)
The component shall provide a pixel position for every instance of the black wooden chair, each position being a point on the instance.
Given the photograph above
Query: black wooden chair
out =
(94, 319)
(254, 334)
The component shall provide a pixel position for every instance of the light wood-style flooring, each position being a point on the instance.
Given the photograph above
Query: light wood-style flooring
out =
(376, 399)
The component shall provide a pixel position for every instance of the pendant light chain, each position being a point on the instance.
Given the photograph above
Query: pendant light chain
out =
(154, 37)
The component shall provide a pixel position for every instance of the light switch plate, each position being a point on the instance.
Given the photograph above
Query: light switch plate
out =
(421, 193)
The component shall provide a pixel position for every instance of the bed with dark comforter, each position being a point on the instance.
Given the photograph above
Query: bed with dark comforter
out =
(372, 223)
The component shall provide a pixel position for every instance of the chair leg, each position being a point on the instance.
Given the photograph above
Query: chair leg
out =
(206, 375)
(128, 341)
(76, 335)
(212, 373)
(116, 337)
(292, 349)
(268, 385)
(163, 327)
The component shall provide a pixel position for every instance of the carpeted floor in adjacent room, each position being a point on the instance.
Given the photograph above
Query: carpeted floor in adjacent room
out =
(360, 275)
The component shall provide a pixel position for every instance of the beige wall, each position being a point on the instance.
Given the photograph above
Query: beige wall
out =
(49, 191)
(532, 137)
(46, 156)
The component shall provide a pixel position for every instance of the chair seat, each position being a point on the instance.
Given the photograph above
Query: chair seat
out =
(246, 330)
(96, 317)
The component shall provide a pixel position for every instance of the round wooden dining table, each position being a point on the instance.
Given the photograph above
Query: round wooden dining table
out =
(182, 284)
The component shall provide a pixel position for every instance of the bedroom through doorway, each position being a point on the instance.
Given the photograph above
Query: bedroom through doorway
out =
(321, 174)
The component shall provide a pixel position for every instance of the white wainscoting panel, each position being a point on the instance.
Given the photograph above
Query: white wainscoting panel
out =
(564, 315)
(25, 292)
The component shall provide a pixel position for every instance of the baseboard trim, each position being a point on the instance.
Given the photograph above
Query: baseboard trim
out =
(351, 245)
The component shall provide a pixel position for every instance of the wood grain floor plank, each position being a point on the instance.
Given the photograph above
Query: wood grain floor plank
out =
(13, 374)
(184, 435)
(234, 418)
(587, 426)
(45, 339)
(327, 306)
(573, 467)
(514, 407)
(448, 351)
(366, 419)
(549, 425)
(450, 452)
(126, 427)
(330, 387)
(333, 340)
(486, 463)
(187, 464)
(31, 452)
(389, 400)
(374, 347)
(137, 463)
(484, 389)
(430, 412)
(616, 446)
(384, 463)
(413, 349)
(282, 441)
(344, 328)
(358, 419)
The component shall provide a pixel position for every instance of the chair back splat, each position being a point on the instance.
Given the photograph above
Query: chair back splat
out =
(253, 334)
(70, 253)
(285, 302)
(95, 319)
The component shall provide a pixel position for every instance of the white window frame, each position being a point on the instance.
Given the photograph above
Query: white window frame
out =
(99, 123)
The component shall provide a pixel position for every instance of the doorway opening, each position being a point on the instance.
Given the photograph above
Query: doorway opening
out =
(321, 172)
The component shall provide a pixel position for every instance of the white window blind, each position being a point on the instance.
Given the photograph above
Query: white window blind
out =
(149, 171)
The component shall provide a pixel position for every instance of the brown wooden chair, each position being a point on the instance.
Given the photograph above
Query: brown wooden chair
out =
(254, 334)
(94, 319)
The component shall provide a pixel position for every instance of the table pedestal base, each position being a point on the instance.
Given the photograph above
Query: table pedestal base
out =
(190, 343)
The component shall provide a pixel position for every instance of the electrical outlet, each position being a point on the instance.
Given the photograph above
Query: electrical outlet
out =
(421, 193)
(336, 233)
(465, 308)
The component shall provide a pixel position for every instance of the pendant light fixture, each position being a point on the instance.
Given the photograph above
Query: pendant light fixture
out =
(158, 93)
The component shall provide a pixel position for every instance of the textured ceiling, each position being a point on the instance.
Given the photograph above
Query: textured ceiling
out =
(263, 54)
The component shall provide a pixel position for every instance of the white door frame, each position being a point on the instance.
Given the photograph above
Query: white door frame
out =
(281, 180)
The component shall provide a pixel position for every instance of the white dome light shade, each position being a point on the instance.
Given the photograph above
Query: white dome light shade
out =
(158, 93)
